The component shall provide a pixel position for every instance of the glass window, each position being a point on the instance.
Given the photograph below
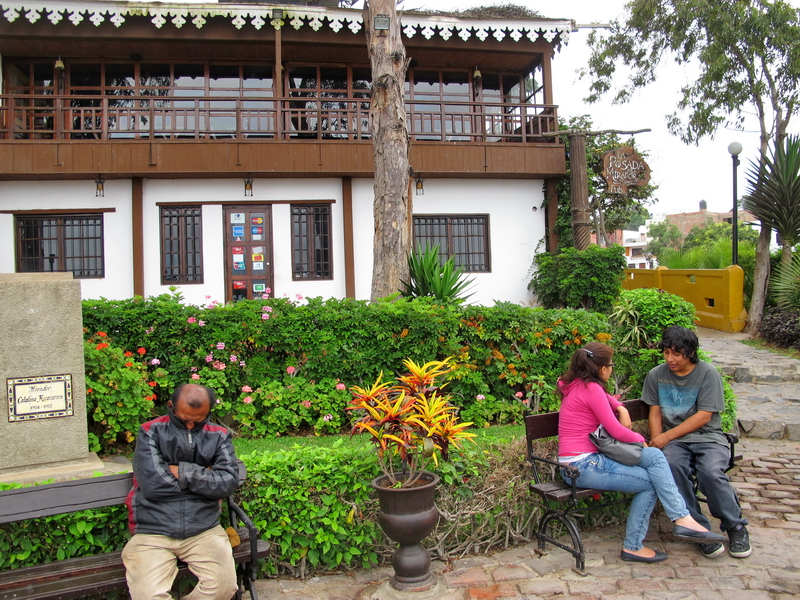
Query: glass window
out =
(311, 242)
(60, 243)
(466, 237)
(181, 245)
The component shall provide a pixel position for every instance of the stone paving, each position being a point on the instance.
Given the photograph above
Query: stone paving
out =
(767, 479)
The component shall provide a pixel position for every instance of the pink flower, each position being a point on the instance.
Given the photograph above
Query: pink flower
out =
(150, 330)
(218, 365)
(268, 291)
(247, 389)
(155, 361)
(195, 376)
(220, 345)
(266, 308)
(480, 397)
(193, 369)
(208, 297)
(247, 399)
(234, 358)
(209, 357)
(264, 316)
(201, 323)
(191, 320)
(299, 296)
(306, 403)
(290, 370)
(241, 363)
(526, 402)
(328, 417)
(518, 394)
(340, 386)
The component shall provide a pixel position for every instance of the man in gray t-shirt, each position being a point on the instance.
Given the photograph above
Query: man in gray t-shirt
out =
(686, 399)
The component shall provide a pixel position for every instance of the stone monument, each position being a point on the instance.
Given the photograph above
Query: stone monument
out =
(43, 431)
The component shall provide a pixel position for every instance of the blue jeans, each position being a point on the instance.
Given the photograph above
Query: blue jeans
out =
(707, 461)
(650, 479)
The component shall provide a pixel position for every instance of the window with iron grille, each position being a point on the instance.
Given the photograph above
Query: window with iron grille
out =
(181, 245)
(311, 242)
(61, 243)
(466, 237)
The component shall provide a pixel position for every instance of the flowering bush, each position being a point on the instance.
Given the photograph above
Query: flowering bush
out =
(293, 404)
(119, 392)
(409, 421)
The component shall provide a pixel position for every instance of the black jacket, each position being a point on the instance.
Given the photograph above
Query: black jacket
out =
(207, 472)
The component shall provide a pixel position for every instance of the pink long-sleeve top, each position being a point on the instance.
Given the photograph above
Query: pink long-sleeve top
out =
(584, 406)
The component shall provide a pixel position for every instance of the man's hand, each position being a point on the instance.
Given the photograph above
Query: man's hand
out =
(661, 440)
(174, 470)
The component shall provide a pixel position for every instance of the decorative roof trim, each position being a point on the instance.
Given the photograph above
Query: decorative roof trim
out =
(258, 15)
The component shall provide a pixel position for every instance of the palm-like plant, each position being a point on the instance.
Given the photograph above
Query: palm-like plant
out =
(428, 276)
(409, 421)
(785, 284)
(774, 192)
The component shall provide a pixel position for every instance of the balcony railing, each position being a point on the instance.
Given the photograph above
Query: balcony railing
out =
(92, 117)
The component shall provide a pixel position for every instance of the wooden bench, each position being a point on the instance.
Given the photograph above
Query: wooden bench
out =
(560, 498)
(92, 575)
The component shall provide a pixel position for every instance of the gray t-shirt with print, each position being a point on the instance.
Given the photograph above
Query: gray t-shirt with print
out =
(680, 397)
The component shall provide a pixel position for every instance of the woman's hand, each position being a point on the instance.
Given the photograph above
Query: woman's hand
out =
(624, 417)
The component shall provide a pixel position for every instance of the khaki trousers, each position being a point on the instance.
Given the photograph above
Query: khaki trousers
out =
(151, 565)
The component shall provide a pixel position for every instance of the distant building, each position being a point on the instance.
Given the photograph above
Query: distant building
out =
(686, 221)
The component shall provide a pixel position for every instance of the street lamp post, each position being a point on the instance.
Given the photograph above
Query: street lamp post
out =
(735, 149)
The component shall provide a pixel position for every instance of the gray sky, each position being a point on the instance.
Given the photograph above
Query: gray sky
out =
(685, 174)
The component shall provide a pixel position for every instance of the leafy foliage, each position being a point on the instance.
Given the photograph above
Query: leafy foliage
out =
(774, 192)
(119, 392)
(409, 420)
(715, 232)
(782, 327)
(590, 279)
(663, 235)
(431, 274)
(785, 284)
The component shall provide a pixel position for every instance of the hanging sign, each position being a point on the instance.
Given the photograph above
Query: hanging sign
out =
(240, 285)
(624, 167)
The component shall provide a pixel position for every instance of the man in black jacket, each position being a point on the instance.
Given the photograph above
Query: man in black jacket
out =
(183, 466)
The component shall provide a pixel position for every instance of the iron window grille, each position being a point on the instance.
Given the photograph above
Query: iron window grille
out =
(311, 242)
(61, 243)
(466, 237)
(181, 245)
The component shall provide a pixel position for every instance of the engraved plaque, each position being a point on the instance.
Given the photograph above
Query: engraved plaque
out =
(42, 397)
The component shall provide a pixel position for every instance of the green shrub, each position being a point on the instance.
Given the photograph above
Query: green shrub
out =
(119, 392)
(430, 274)
(640, 316)
(782, 327)
(590, 279)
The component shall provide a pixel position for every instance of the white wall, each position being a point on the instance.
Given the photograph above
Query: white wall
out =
(515, 230)
(61, 195)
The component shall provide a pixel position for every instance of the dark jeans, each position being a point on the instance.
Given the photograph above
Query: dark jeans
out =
(706, 461)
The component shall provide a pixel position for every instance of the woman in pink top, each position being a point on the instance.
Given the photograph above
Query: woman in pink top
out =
(585, 404)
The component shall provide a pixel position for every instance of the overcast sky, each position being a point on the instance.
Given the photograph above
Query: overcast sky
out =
(685, 174)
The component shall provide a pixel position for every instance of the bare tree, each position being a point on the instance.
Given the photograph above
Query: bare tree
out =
(389, 130)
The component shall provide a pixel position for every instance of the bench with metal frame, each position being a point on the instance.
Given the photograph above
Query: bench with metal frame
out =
(99, 574)
(561, 499)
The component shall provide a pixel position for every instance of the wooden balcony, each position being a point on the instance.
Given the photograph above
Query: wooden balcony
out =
(49, 136)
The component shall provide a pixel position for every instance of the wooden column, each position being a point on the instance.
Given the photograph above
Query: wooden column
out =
(349, 250)
(579, 186)
(137, 208)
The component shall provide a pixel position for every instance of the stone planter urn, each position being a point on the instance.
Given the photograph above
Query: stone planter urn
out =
(407, 516)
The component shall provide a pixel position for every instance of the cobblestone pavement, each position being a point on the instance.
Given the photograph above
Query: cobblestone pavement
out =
(767, 479)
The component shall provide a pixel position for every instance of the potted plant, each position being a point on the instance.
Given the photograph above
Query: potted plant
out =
(410, 422)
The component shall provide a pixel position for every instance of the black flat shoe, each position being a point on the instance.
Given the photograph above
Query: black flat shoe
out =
(659, 556)
(702, 537)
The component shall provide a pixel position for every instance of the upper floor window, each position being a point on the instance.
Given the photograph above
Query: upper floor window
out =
(181, 245)
(311, 242)
(466, 237)
(61, 243)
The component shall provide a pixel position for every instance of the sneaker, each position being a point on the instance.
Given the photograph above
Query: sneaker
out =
(711, 550)
(739, 546)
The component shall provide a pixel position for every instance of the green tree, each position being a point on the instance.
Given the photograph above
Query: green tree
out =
(774, 193)
(702, 237)
(663, 235)
(747, 56)
(609, 211)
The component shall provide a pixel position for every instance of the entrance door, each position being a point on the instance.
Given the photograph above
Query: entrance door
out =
(248, 251)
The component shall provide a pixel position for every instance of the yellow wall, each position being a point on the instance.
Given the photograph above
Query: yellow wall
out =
(717, 294)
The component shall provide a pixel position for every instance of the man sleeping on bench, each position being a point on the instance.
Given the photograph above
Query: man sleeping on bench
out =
(183, 466)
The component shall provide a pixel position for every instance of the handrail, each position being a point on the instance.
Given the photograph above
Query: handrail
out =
(94, 117)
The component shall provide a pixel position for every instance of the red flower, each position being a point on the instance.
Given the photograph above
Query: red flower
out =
(102, 334)
(128, 354)
(102, 345)
(89, 391)
(151, 383)
(128, 364)
(596, 496)
(141, 351)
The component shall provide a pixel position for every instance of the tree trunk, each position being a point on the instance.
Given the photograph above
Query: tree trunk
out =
(387, 118)
(579, 189)
(760, 281)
